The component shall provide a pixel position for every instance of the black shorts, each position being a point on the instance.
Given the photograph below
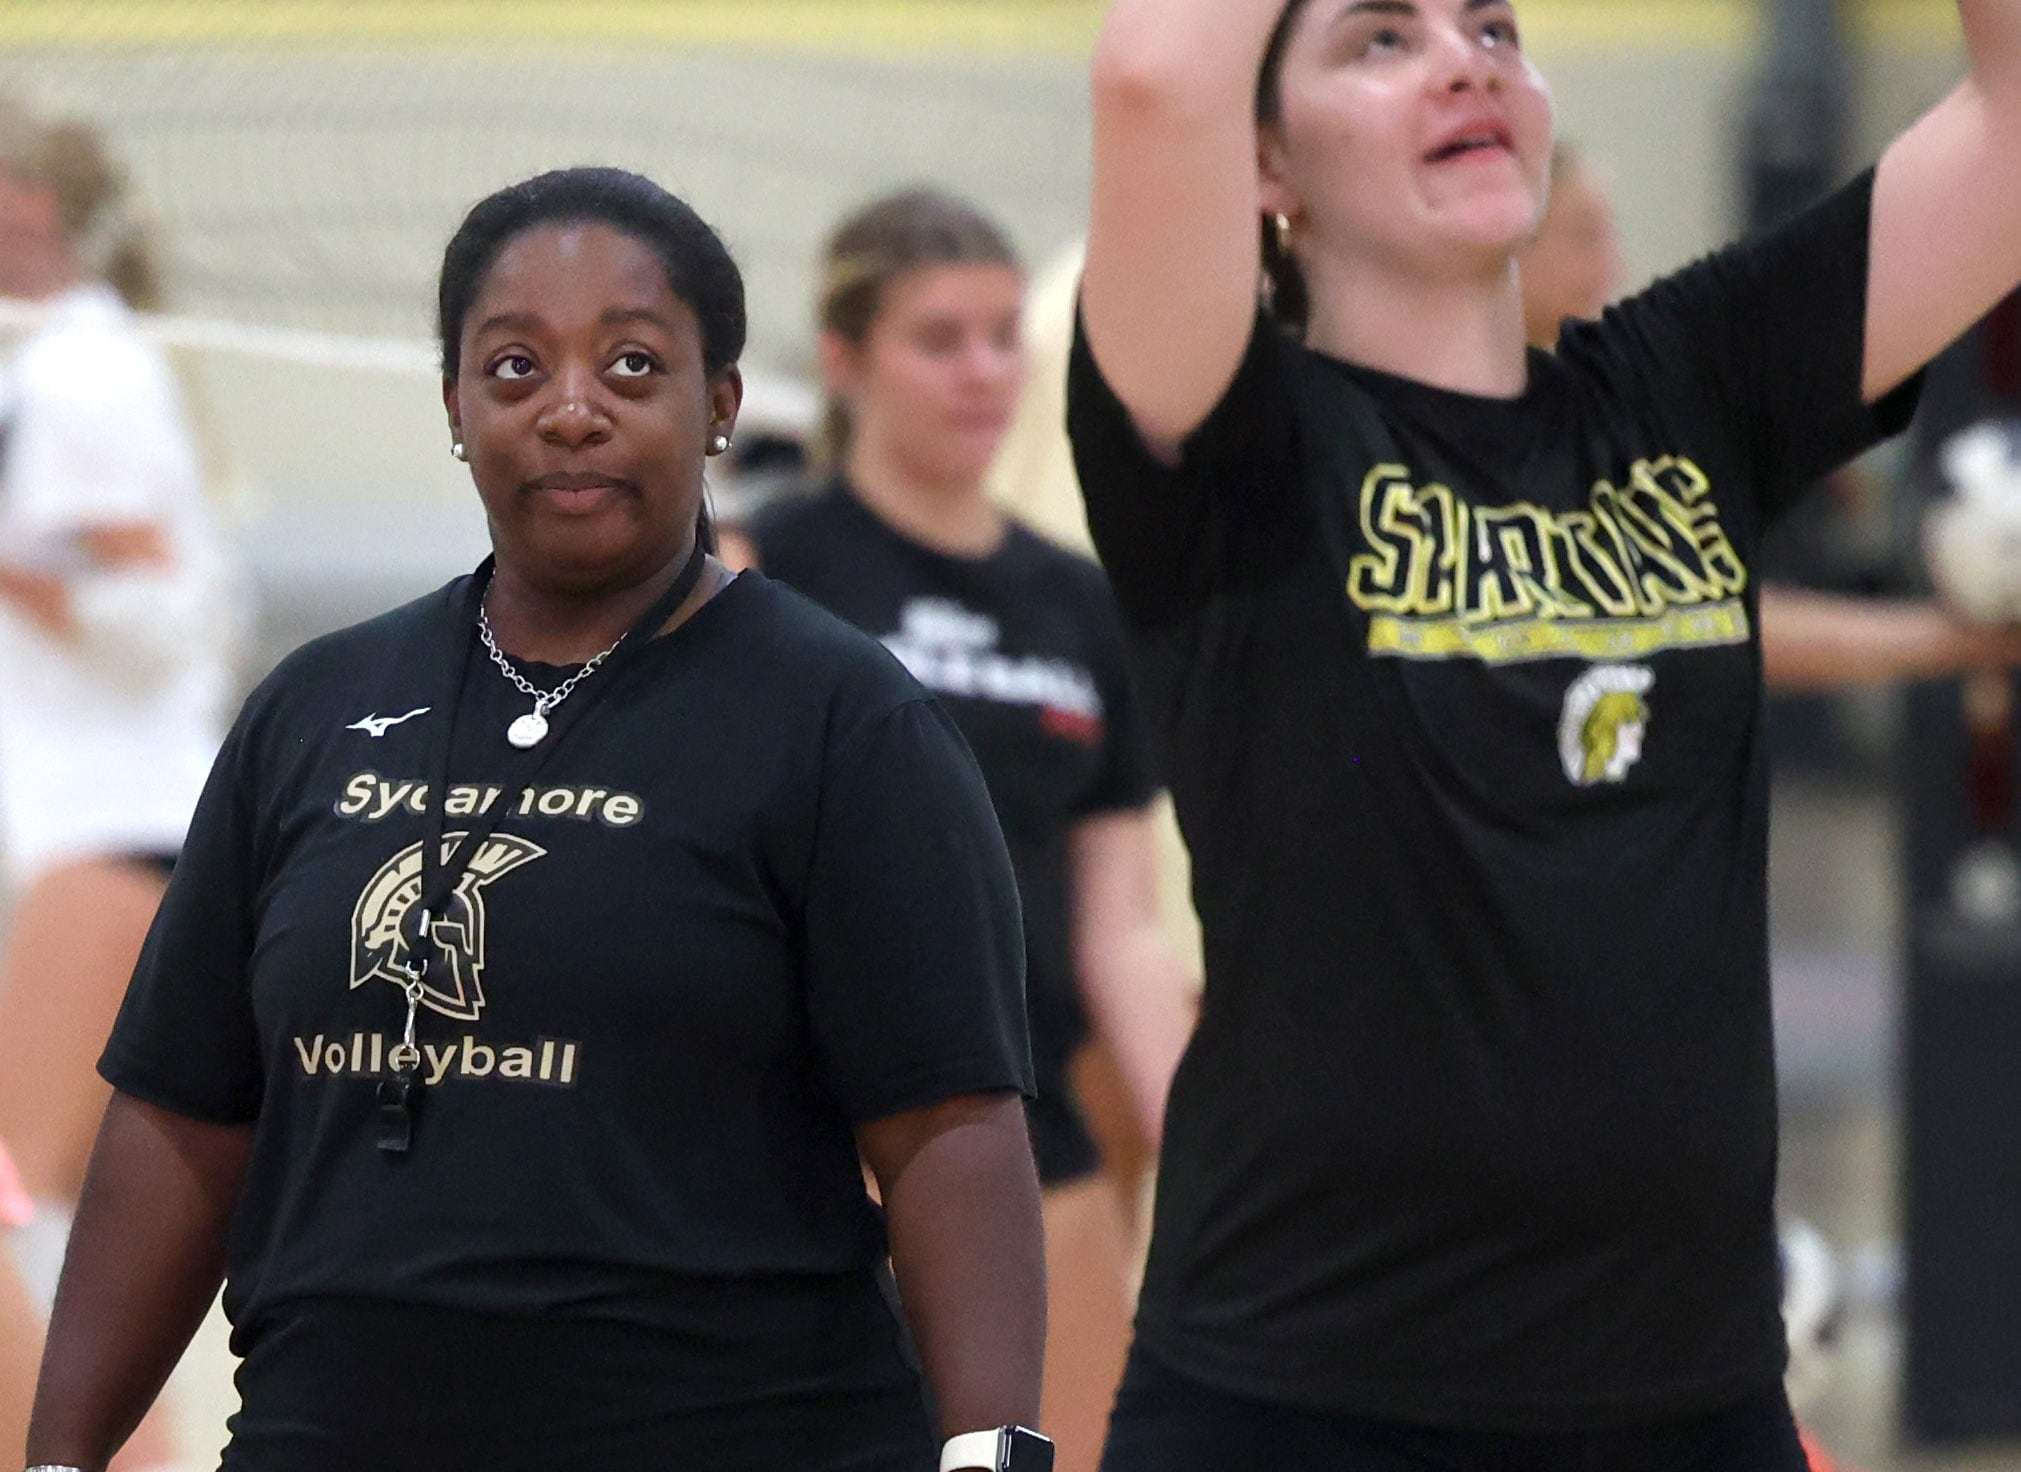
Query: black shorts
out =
(354, 1386)
(1167, 1422)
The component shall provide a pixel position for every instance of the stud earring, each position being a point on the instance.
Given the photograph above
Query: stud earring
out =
(457, 450)
(719, 444)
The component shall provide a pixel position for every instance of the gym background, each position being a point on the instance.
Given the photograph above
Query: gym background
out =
(307, 158)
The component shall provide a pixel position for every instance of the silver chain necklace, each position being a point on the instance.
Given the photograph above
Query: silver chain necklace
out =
(530, 728)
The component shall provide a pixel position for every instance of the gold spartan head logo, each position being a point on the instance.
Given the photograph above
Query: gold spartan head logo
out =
(1606, 718)
(454, 983)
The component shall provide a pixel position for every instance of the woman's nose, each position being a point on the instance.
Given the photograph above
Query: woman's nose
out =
(572, 415)
(1464, 61)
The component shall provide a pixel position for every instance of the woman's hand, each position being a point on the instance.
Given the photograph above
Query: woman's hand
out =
(45, 598)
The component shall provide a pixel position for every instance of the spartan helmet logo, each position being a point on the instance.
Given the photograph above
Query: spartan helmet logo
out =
(1606, 717)
(454, 985)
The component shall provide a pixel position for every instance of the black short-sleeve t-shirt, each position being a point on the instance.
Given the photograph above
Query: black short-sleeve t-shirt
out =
(1460, 702)
(687, 961)
(1025, 649)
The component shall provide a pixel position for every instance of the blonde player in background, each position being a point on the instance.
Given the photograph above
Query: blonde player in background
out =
(116, 642)
(923, 355)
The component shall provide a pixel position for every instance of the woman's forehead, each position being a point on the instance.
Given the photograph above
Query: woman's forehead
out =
(578, 263)
(1326, 13)
(944, 285)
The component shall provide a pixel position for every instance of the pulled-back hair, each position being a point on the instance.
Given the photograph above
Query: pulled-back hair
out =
(871, 249)
(698, 266)
(1285, 291)
(699, 269)
(112, 236)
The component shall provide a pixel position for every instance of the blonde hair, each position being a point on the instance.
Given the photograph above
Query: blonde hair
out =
(883, 241)
(95, 207)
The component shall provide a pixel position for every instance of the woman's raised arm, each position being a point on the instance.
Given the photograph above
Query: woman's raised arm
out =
(1947, 208)
(1169, 296)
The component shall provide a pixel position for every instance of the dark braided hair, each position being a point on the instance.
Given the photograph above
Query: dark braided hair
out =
(698, 266)
(1285, 292)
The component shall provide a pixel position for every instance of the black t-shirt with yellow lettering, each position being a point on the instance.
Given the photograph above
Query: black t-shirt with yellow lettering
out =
(689, 959)
(1460, 702)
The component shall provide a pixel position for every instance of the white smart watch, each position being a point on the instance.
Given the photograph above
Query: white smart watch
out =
(1006, 1449)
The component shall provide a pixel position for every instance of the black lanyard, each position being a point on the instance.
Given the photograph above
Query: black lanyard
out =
(399, 1092)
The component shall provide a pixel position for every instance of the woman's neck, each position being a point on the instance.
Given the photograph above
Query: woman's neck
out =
(1463, 333)
(952, 517)
(549, 624)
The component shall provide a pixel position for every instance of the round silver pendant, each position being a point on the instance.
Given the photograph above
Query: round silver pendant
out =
(527, 730)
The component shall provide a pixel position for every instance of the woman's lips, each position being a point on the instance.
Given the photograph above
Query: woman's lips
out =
(578, 492)
(985, 421)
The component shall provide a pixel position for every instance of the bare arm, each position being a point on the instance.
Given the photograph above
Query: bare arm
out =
(19, 1345)
(46, 598)
(961, 1196)
(1169, 294)
(1820, 641)
(146, 1256)
(1947, 208)
(1142, 996)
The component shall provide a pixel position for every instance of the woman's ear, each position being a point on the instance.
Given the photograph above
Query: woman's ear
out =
(841, 364)
(452, 404)
(1274, 196)
(726, 400)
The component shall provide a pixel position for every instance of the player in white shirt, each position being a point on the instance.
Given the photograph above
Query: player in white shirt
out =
(117, 630)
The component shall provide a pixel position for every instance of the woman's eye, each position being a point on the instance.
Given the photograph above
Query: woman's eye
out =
(634, 365)
(1388, 38)
(513, 366)
(1501, 33)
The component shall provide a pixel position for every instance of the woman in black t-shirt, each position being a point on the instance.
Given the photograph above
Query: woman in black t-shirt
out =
(921, 347)
(1450, 648)
(545, 952)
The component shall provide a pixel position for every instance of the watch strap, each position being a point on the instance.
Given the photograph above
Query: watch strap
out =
(973, 1449)
(1006, 1449)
